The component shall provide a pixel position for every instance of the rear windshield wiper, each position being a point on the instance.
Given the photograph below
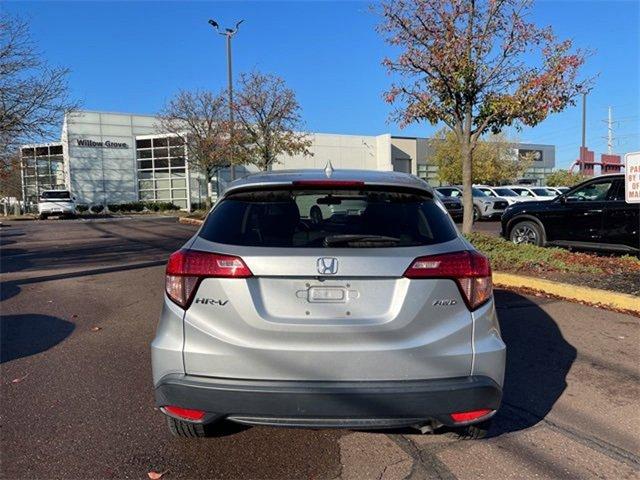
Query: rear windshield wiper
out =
(361, 241)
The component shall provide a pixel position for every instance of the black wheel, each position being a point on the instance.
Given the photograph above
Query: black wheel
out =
(473, 432)
(527, 232)
(44, 216)
(476, 214)
(178, 428)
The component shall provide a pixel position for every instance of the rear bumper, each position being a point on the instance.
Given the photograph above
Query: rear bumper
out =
(373, 404)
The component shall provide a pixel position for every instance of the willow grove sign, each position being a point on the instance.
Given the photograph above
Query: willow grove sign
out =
(106, 144)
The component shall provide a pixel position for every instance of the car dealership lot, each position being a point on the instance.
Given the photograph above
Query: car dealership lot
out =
(80, 301)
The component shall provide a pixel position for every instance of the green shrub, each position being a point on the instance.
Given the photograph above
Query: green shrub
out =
(507, 256)
(114, 207)
(81, 208)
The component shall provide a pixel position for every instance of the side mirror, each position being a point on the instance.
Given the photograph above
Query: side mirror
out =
(562, 199)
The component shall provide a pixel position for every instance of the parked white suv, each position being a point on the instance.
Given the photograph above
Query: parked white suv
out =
(533, 193)
(503, 192)
(56, 202)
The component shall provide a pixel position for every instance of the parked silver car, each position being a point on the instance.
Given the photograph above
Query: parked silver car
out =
(484, 206)
(376, 318)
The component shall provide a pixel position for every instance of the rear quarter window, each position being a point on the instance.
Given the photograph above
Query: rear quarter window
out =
(328, 218)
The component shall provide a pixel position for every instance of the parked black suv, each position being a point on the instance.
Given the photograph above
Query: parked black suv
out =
(592, 215)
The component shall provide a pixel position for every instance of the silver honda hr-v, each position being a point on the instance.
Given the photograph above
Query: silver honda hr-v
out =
(328, 299)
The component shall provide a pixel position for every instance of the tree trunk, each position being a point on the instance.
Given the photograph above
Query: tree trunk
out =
(467, 194)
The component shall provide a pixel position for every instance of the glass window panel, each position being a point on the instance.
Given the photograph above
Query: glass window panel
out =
(143, 175)
(175, 141)
(145, 164)
(177, 162)
(162, 183)
(163, 194)
(179, 194)
(56, 150)
(164, 173)
(146, 143)
(178, 172)
(161, 162)
(29, 171)
(176, 151)
(145, 184)
(160, 142)
(160, 152)
(42, 151)
(146, 195)
(180, 183)
(28, 152)
(144, 153)
(180, 203)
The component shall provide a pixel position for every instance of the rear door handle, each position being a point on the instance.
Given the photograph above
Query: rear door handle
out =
(595, 211)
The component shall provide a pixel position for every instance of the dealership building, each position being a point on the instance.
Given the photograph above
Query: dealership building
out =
(107, 158)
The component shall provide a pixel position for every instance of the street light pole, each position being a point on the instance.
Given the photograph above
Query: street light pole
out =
(229, 32)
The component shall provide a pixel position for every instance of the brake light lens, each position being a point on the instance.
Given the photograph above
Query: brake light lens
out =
(186, 268)
(470, 270)
(184, 413)
(464, 417)
(328, 183)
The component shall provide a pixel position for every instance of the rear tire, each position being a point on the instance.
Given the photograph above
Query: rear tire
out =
(476, 214)
(527, 232)
(473, 432)
(179, 428)
(44, 216)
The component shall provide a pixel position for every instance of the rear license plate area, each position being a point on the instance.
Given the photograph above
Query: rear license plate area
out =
(327, 295)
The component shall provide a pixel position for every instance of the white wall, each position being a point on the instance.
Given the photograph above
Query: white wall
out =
(99, 174)
(343, 151)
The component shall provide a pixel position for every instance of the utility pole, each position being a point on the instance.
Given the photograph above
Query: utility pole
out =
(610, 133)
(584, 120)
(229, 32)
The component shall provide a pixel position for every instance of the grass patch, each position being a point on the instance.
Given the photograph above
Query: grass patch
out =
(509, 257)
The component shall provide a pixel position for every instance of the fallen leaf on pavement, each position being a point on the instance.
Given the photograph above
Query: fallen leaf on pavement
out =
(19, 379)
(95, 329)
(156, 475)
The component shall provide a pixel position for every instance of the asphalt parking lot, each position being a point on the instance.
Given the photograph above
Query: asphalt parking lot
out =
(79, 304)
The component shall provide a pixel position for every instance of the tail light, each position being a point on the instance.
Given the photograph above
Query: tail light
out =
(470, 270)
(186, 268)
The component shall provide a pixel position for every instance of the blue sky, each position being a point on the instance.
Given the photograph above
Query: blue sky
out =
(131, 57)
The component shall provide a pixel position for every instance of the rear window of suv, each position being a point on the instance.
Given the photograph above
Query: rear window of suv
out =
(328, 218)
(55, 195)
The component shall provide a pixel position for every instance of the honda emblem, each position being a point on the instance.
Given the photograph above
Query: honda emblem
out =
(327, 265)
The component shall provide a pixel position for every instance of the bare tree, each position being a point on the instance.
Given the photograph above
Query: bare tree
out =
(269, 121)
(200, 120)
(10, 178)
(33, 95)
(476, 66)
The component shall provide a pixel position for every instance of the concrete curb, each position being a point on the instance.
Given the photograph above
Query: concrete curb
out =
(190, 221)
(594, 296)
